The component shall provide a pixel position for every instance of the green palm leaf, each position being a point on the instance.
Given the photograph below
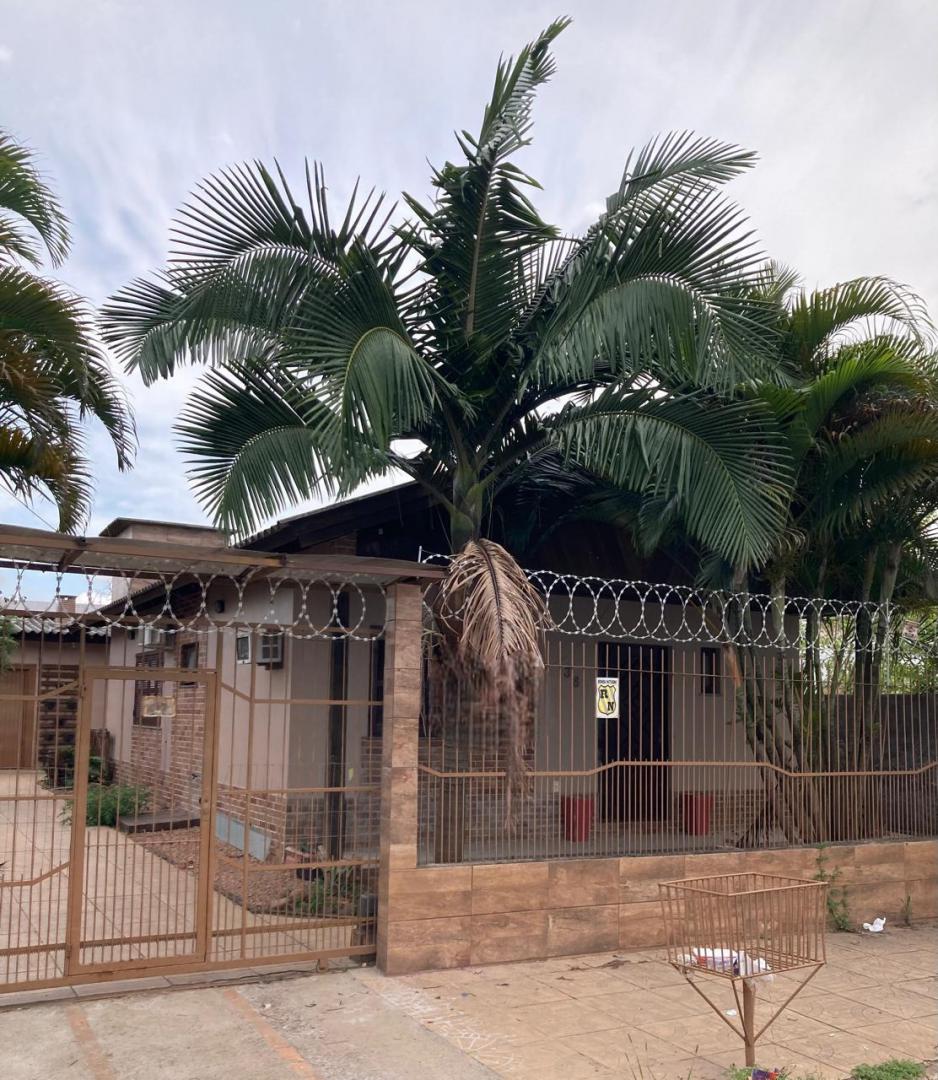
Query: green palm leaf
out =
(24, 195)
(724, 465)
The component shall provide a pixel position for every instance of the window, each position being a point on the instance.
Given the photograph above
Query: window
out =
(270, 650)
(189, 657)
(148, 693)
(710, 670)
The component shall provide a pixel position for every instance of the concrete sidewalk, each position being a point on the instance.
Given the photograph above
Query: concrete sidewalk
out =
(602, 1016)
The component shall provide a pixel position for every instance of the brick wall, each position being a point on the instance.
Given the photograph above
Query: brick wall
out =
(455, 916)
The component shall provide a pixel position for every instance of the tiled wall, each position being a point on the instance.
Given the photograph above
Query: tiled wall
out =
(455, 916)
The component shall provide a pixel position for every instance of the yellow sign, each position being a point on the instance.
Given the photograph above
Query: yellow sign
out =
(607, 696)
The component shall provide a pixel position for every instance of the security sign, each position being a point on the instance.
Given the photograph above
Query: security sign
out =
(607, 696)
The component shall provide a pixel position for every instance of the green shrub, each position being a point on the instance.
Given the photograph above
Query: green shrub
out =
(894, 1069)
(106, 803)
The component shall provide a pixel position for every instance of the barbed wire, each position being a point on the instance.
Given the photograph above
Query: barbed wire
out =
(587, 606)
(288, 602)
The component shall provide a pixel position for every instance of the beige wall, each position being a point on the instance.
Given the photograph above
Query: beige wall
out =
(288, 742)
(311, 668)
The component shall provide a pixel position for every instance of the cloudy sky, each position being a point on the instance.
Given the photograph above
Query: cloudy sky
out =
(131, 102)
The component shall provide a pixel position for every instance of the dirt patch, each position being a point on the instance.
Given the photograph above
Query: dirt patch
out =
(267, 890)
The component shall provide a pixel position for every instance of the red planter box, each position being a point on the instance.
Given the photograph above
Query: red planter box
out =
(698, 806)
(577, 812)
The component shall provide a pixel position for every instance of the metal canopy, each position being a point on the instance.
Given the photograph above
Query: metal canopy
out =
(38, 549)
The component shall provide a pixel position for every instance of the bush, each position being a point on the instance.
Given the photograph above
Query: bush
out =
(106, 803)
(894, 1069)
(61, 773)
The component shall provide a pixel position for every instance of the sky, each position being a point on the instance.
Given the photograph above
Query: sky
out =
(130, 103)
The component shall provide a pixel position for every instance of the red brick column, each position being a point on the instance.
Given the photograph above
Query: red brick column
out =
(403, 672)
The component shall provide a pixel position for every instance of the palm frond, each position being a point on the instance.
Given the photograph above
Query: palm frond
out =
(475, 238)
(492, 619)
(724, 464)
(823, 320)
(32, 466)
(678, 162)
(26, 195)
(347, 332)
(259, 439)
(47, 332)
(244, 252)
(662, 288)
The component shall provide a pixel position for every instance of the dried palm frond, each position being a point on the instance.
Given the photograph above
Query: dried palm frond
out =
(491, 619)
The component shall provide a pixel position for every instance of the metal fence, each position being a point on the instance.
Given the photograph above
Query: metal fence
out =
(675, 720)
(189, 760)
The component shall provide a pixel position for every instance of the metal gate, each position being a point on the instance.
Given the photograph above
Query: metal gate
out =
(129, 908)
(192, 770)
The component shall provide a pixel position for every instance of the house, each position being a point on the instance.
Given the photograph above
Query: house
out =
(280, 712)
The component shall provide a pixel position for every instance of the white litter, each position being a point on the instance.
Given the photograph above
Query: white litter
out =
(877, 926)
(739, 963)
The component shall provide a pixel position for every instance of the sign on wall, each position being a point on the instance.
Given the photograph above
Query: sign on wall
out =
(158, 705)
(607, 696)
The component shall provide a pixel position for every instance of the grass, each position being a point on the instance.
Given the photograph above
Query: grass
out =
(894, 1069)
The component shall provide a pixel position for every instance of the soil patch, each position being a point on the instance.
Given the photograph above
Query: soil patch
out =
(268, 891)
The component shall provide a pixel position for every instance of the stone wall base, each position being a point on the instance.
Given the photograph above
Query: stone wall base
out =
(457, 916)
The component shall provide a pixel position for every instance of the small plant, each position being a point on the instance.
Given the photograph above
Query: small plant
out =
(333, 892)
(106, 803)
(8, 643)
(894, 1069)
(837, 906)
(61, 774)
(907, 911)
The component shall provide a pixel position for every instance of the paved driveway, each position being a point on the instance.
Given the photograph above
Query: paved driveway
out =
(604, 1016)
(128, 893)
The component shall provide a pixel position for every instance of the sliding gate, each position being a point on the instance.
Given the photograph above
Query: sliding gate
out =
(179, 795)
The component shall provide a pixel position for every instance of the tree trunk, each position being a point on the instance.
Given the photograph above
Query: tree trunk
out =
(867, 803)
(454, 722)
(768, 714)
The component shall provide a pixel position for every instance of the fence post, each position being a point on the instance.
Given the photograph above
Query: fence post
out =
(403, 673)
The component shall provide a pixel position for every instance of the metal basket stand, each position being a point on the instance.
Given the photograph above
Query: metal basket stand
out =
(744, 928)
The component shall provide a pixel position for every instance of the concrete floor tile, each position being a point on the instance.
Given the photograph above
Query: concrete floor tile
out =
(560, 1018)
(899, 1002)
(917, 1039)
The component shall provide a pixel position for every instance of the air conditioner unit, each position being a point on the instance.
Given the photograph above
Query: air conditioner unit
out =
(270, 650)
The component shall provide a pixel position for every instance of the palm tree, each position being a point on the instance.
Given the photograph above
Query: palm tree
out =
(468, 347)
(473, 330)
(859, 416)
(52, 373)
(861, 425)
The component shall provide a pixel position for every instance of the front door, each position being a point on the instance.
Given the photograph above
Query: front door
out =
(635, 744)
(17, 712)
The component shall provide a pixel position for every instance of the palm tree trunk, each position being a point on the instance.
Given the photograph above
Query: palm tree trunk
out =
(873, 693)
(767, 710)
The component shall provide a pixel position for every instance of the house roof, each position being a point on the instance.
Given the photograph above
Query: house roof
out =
(120, 525)
(340, 518)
